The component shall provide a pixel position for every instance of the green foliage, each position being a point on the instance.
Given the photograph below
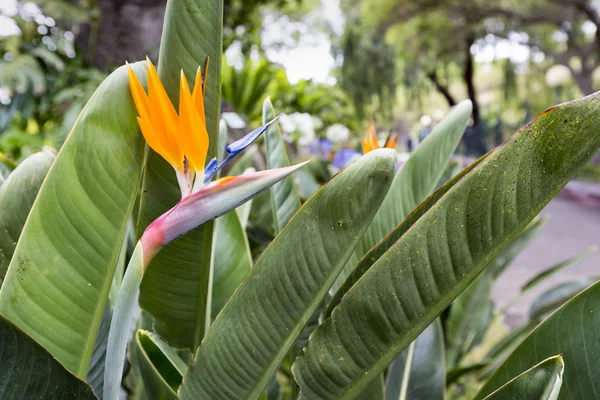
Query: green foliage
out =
(74, 241)
(368, 73)
(31, 372)
(238, 308)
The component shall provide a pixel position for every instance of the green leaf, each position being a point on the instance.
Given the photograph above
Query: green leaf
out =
(160, 377)
(376, 252)
(416, 180)
(470, 314)
(6, 167)
(501, 350)
(176, 284)
(572, 331)
(261, 321)
(232, 258)
(539, 278)
(306, 183)
(455, 374)
(420, 371)
(30, 372)
(558, 295)
(58, 280)
(95, 375)
(284, 194)
(445, 250)
(541, 382)
(506, 257)
(16, 198)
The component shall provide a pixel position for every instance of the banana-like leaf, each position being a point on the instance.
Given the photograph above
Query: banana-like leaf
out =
(376, 252)
(6, 167)
(95, 375)
(455, 374)
(176, 284)
(556, 296)
(420, 371)
(375, 390)
(470, 314)
(541, 382)
(260, 323)
(306, 183)
(417, 178)
(506, 257)
(232, 258)
(445, 250)
(501, 350)
(547, 273)
(16, 198)
(58, 280)
(284, 194)
(539, 278)
(30, 372)
(160, 377)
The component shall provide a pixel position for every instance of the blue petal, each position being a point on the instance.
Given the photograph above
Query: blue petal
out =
(210, 168)
(248, 139)
(343, 157)
(321, 148)
(234, 149)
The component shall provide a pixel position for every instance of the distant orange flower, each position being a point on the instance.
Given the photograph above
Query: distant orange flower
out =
(369, 141)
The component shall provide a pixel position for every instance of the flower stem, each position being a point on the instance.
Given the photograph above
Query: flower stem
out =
(121, 323)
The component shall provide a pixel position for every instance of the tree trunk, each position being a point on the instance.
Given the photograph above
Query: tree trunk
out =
(584, 80)
(127, 30)
(468, 75)
(432, 75)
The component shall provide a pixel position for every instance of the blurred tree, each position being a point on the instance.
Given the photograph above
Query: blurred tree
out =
(566, 30)
(368, 72)
(112, 31)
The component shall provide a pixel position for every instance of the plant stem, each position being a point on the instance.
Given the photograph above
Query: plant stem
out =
(121, 323)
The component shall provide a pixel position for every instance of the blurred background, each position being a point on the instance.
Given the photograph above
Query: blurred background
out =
(332, 67)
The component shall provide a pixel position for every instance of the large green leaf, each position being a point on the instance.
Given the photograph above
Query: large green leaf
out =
(417, 178)
(29, 371)
(539, 278)
(261, 321)
(420, 371)
(376, 252)
(16, 198)
(232, 258)
(470, 314)
(58, 280)
(541, 382)
(95, 375)
(571, 331)
(160, 377)
(6, 167)
(176, 284)
(445, 250)
(284, 194)
(558, 295)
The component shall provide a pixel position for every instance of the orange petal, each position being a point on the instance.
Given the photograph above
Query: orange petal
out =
(372, 136)
(164, 119)
(193, 129)
(391, 141)
(139, 95)
(198, 94)
(366, 146)
(148, 132)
